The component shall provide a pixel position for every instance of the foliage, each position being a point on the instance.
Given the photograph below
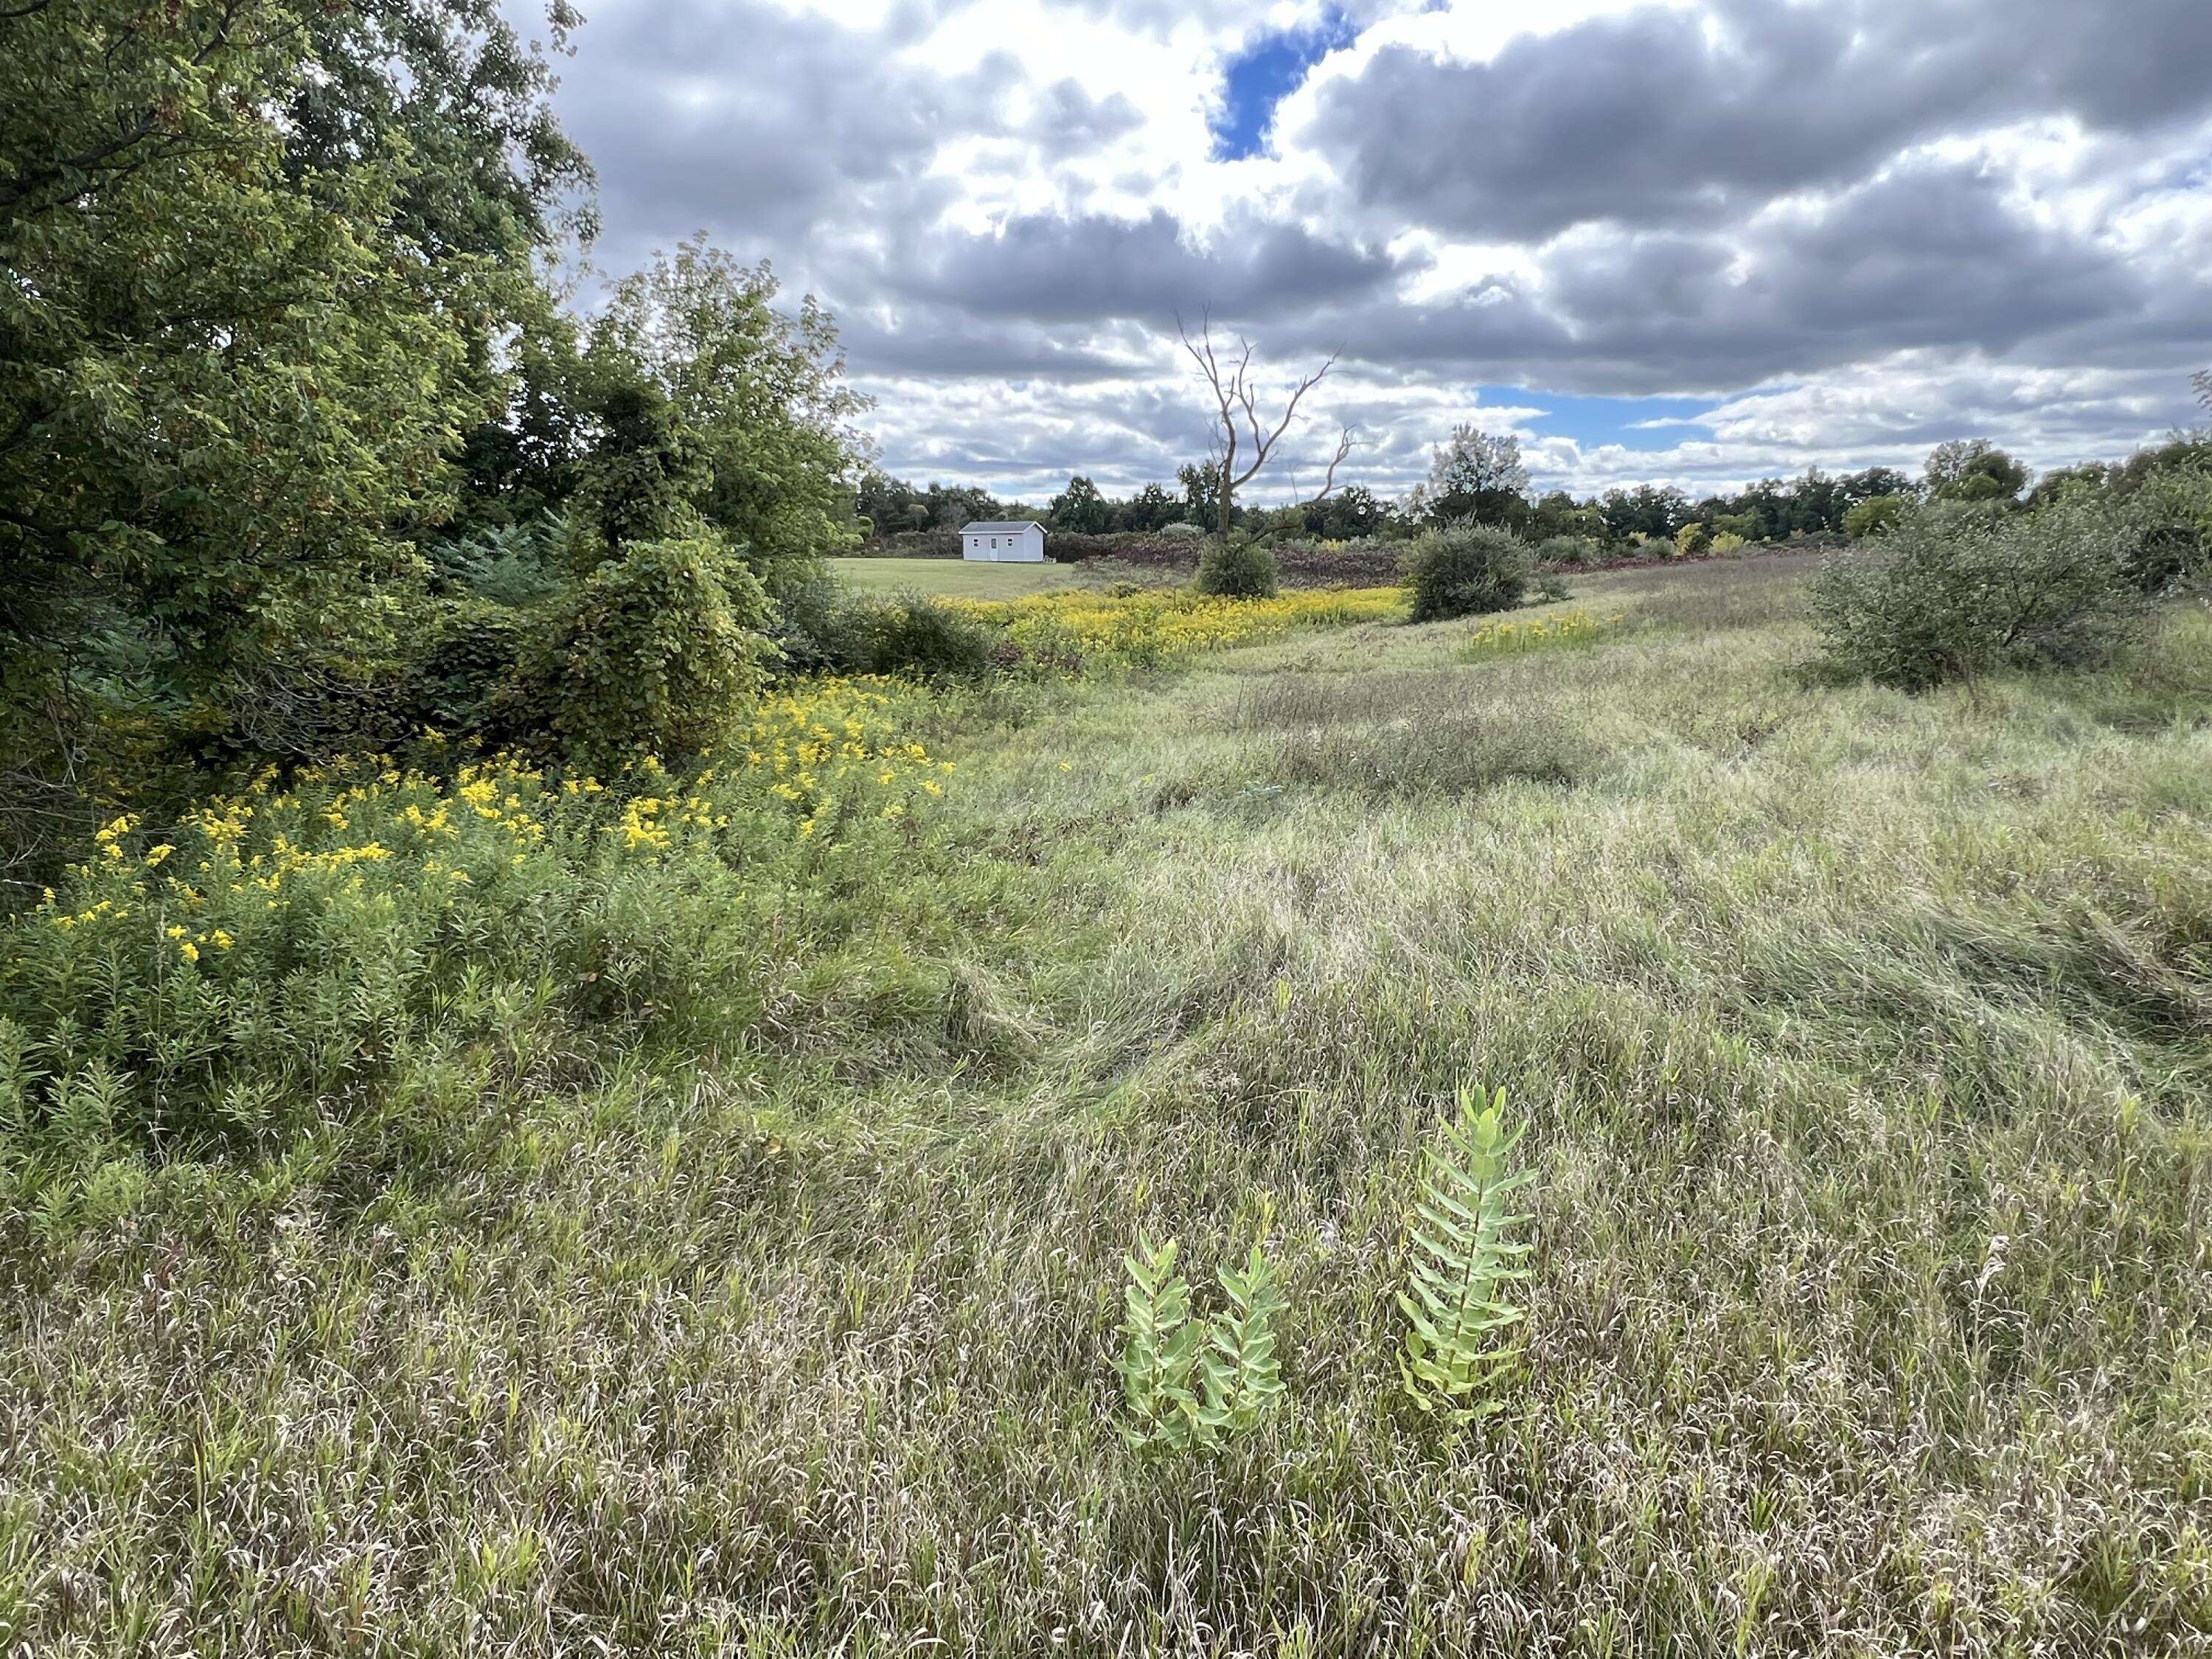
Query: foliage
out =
(1465, 569)
(1691, 539)
(761, 392)
(1164, 1349)
(645, 474)
(258, 251)
(1233, 567)
(1159, 1349)
(1875, 516)
(1461, 1263)
(292, 950)
(1648, 510)
(1201, 494)
(1475, 475)
(1973, 469)
(1080, 508)
(2165, 524)
(1565, 551)
(891, 506)
(463, 679)
(1727, 542)
(656, 653)
(916, 636)
(1514, 638)
(1956, 589)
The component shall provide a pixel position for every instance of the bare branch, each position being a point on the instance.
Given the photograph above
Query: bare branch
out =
(1235, 395)
(1345, 443)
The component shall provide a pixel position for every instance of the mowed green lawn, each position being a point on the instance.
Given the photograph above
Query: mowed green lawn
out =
(1863, 1045)
(955, 578)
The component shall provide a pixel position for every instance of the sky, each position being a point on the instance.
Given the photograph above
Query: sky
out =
(1690, 241)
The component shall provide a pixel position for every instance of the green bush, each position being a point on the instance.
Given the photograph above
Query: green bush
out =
(656, 653)
(917, 637)
(1874, 516)
(2167, 526)
(1691, 539)
(1566, 550)
(468, 657)
(1237, 569)
(1959, 588)
(1465, 570)
(341, 944)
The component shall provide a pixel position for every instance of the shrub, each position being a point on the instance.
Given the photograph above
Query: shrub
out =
(468, 656)
(1877, 515)
(1566, 550)
(1690, 538)
(1180, 532)
(811, 624)
(917, 637)
(1727, 542)
(344, 945)
(2167, 528)
(656, 653)
(1958, 588)
(1464, 570)
(1237, 569)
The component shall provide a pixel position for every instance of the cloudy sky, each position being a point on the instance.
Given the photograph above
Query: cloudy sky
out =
(1695, 240)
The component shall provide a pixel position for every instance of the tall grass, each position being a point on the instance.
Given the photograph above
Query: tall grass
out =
(1860, 1042)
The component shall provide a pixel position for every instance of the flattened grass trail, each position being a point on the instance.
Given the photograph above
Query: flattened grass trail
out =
(1864, 1047)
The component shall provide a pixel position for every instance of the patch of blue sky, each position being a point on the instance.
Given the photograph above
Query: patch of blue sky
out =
(1269, 68)
(1591, 421)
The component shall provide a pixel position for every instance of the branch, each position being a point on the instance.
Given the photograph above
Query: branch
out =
(1345, 443)
(1267, 445)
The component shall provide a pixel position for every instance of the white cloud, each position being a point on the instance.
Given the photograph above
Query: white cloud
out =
(1857, 227)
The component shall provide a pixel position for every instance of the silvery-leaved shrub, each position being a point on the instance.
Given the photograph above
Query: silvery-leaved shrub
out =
(1956, 589)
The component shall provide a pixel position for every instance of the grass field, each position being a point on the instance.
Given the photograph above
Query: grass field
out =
(1864, 1046)
(955, 578)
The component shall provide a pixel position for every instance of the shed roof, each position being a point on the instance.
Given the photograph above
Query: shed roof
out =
(999, 527)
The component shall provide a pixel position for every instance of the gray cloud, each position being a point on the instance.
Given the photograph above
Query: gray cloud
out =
(1093, 266)
(1652, 117)
(1928, 256)
(1737, 202)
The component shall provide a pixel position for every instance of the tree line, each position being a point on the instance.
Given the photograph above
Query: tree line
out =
(1479, 477)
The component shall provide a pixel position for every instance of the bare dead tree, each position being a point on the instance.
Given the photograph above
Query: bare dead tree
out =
(1235, 401)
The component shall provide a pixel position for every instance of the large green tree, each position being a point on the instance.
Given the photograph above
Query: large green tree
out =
(255, 258)
(761, 390)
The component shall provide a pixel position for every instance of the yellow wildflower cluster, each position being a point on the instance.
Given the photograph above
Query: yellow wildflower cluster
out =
(1146, 629)
(381, 841)
(814, 739)
(1512, 638)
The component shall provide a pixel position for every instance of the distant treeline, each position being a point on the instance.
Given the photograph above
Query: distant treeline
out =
(1491, 488)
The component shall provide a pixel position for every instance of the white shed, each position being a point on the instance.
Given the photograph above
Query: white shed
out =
(1003, 543)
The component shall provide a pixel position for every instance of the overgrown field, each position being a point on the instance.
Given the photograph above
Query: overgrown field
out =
(703, 1230)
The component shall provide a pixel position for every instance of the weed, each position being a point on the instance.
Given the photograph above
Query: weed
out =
(1462, 1263)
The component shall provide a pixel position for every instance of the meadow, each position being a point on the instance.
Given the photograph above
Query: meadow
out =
(955, 578)
(706, 1231)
